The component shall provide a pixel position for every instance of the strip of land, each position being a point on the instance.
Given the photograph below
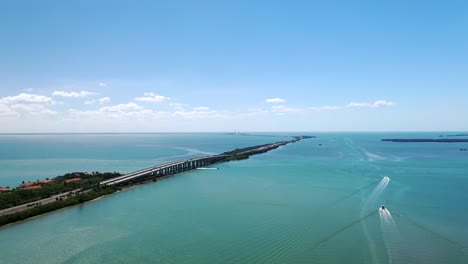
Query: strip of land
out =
(441, 140)
(35, 198)
(456, 135)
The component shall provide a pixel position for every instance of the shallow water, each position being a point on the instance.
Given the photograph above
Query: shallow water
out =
(301, 203)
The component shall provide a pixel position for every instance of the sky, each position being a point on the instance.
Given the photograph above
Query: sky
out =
(225, 66)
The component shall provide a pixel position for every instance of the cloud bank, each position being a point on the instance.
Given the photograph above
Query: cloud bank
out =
(23, 108)
(14, 106)
(27, 99)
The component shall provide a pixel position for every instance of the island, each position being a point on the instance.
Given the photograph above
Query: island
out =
(456, 135)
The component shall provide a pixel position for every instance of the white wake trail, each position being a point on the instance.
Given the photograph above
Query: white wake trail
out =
(378, 190)
(369, 204)
(391, 235)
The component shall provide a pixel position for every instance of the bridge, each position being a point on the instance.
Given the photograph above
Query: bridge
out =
(174, 167)
(165, 169)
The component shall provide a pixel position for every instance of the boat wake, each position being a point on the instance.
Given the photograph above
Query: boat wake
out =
(370, 204)
(369, 155)
(390, 233)
(372, 156)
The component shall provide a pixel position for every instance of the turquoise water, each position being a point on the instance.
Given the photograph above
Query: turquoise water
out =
(301, 203)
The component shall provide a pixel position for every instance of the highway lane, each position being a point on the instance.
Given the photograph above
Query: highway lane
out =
(51, 199)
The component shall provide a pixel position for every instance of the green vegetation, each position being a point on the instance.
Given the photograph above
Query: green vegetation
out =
(237, 150)
(245, 153)
(237, 157)
(41, 209)
(59, 185)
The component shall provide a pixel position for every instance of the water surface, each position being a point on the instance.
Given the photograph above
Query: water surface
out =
(301, 203)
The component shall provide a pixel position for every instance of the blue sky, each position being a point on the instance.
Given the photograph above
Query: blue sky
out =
(167, 66)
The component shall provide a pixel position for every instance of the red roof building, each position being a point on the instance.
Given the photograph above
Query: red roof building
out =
(27, 184)
(4, 189)
(73, 180)
(32, 187)
(45, 181)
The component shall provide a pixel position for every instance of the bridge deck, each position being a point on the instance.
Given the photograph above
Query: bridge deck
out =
(190, 164)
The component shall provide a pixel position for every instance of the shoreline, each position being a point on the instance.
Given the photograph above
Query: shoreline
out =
(122, 189)
(45, 212)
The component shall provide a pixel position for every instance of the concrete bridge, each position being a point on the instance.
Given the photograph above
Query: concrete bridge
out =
(166, 169)
(190, 164)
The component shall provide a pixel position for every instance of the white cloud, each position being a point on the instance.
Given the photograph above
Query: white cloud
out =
(6, 111)
(325, 108)
(130, 111)
(383, 103)
(48, 112)
(284, 109)
(151, 97)
(27, 99)
(359, 105)
(72, 94)
(104, 100)
(201, 108)
(121, 108)
(196, 114)
(379, 103)
(275, 100)
(102, 84)
(178, 106)
(27, 107)
(45, 112)
(30, 103)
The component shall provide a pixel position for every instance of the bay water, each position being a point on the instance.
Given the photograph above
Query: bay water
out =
(314, 201)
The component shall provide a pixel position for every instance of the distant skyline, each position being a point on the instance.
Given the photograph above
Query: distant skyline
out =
(224, 66)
